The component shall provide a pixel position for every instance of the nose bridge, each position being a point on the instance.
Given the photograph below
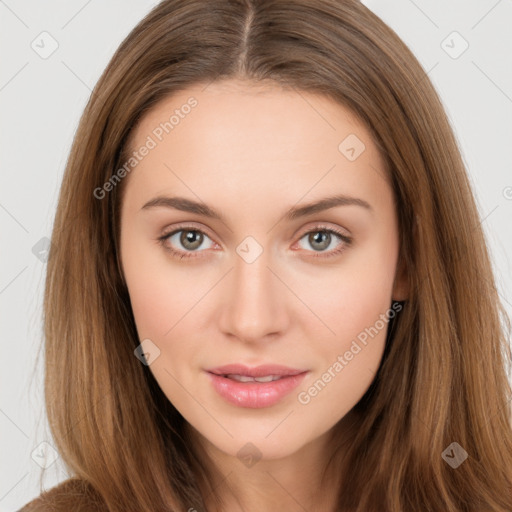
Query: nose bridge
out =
(254, 306)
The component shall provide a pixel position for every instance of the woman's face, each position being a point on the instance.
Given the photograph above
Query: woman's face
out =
(229, 262)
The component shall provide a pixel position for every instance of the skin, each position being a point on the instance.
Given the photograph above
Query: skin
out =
(251, 153)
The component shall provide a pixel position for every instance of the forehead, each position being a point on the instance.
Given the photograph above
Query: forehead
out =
(251, 138)
(266, 109)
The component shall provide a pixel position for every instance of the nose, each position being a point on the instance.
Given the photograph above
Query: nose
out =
(254, 302)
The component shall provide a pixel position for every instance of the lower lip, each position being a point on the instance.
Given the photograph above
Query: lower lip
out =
(255, 395)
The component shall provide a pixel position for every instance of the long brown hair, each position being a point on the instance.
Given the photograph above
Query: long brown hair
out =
(443, 378)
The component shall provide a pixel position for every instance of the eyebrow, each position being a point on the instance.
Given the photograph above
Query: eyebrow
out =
(190, 206)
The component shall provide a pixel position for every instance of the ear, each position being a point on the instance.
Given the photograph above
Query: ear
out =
(401, 283)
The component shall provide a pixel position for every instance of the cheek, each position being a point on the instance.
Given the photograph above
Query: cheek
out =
(330, 394)
(162, 299)
(349, 359)
(354, 302)
(160, 293)
(156, 305)
(347, 299)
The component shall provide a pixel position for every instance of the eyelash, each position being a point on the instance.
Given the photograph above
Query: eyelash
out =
(318, 229)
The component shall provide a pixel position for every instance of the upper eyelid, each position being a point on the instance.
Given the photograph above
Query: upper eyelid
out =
(185, 227)
(191, 227)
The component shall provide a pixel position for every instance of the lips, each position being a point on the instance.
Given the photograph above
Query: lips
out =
(261, 386)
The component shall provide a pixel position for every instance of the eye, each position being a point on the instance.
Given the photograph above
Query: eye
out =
(188, 238)
(322, 238)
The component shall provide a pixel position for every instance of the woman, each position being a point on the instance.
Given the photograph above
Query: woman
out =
(203, 352)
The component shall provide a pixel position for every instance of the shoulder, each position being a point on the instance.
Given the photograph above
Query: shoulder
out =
(73, 494)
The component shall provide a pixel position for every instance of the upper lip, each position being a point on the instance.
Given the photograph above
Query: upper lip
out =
(256, 371)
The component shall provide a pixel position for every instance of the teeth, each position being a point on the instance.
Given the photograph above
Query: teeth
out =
(245, 378)
(240, 378)
(268, 378)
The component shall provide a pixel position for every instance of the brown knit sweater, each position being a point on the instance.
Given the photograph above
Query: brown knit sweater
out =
(73, 495)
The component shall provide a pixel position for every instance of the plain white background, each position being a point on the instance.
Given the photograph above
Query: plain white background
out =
(41, 100)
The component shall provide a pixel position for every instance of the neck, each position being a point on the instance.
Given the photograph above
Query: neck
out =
(300, 481)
